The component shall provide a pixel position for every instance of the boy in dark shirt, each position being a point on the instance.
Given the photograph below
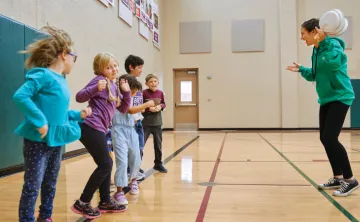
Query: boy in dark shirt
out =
(152, 121)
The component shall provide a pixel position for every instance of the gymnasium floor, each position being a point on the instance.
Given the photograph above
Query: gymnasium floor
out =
(218, 176)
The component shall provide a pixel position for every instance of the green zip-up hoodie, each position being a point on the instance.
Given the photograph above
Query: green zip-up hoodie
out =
(329, 71)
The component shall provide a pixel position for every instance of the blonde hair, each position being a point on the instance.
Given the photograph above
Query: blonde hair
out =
(150, 76)
(44, 51)
(102, 60)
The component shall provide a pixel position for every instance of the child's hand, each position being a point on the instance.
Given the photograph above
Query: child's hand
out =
(124, 85)
(86, 112)
(158, 107)
(101, 85)
(118, 103)
(150, 103)
(43, 131)
(153, 109)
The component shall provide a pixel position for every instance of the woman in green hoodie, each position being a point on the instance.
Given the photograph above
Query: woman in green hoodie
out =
(335, 92)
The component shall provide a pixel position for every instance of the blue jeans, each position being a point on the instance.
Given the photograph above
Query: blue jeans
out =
(127, 153)
(140, 131)
(42, 165)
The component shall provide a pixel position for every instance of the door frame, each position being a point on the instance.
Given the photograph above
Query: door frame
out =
(197, 92)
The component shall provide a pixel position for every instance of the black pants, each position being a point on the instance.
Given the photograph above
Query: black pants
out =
(95, 142)
(332, 117)
(156, 131)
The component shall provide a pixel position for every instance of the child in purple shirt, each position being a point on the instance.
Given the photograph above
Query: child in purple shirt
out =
(104, 97)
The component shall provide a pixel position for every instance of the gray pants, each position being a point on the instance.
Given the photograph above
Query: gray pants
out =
(127, 153)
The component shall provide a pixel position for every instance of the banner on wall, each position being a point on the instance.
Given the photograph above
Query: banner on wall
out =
(138, 11)
(149, 8)
(143, 4)
(149, 13)
(124, 13)
(111, 2)
(144, 30)
(156, 26)
(105, 2)
(132, 6)
(126, 2)
(156, 40)
(142, 16)
(146, 11)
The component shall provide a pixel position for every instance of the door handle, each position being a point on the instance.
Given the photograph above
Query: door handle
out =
(185, 104)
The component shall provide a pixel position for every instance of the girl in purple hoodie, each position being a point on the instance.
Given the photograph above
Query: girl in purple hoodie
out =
(104, 97)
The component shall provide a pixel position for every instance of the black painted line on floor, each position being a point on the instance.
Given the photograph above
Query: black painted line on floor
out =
(151, 171)
(326, 195)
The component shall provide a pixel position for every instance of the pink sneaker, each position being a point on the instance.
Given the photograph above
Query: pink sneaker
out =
(120, 198)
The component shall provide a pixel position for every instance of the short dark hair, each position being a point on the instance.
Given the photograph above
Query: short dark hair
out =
(310, 24)
(132, 81)
(133, 61)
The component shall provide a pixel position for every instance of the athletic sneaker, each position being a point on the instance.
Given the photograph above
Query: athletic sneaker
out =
(111, 207)
(39, 219)
(333, 183)
(134, 188)
(160, 168)
(120, 198)
(85, 210)
(346, 188)
(140, 176)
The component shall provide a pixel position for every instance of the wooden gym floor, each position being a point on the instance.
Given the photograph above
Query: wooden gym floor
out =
(218, 176)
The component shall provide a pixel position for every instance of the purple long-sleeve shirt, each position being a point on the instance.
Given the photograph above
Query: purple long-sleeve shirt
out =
(102, 108)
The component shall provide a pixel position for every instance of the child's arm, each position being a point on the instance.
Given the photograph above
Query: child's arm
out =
(23, 95)
(90, 90)
(137, 109)
(79, 116)
(147, 98)
(74, 115)
(125, 102)
(162, 104)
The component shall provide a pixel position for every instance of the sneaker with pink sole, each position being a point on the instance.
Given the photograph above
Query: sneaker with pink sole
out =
(120, 198)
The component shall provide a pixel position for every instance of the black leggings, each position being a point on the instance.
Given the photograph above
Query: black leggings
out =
(95, 142)
(332, 117)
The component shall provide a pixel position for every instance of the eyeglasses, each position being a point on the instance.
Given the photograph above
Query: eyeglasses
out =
(73, 55)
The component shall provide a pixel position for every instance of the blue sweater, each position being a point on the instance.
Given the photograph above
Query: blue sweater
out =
(44, 98)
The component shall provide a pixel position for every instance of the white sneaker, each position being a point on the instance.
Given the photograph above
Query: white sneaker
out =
(134, 188)
(346, 188)
(120, 198)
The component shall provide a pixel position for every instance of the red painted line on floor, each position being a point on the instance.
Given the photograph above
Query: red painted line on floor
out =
(205, 201)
